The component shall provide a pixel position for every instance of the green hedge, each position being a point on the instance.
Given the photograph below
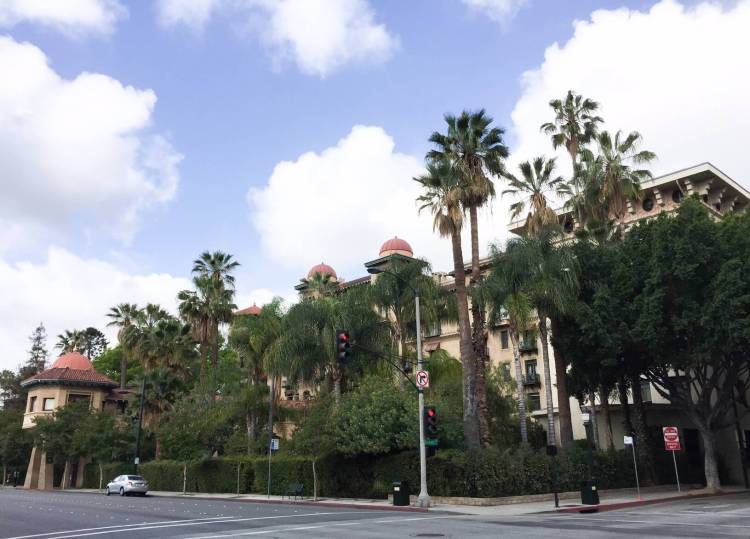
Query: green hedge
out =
(486, 473)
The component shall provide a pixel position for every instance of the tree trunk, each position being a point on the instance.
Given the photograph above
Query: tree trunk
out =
(622, 387)
(101, 476)
(402, 355)
(608, 435)
(123, 369)
(644, 449)
(563, 398)
(478, 337)
(250, 429)
(337, 385)
(468, 360)
(519, 388)
(551, 438)
(315, 481)
(216, 348)
(594, 420)
(204, 353)
(713, 483)
(157, 450)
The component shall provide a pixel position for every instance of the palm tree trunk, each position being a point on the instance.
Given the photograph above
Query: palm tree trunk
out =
(468, 360)
(250, 429)
(402, 355)
(608, 435)
(551, 438)
(563, 398)
(123, 368)
(478, 337)
(519, 387)
(203, 353)
(216, 348)
(594, 420)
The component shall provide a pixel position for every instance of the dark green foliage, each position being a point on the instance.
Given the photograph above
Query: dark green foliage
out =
(284, 470)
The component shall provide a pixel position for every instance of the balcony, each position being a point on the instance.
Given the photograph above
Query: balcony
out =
(531, 380)
(527, 346)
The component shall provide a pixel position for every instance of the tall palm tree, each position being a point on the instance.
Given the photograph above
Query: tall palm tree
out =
(575, 123)
(321, 284)
(442, 198)
(195, 309)
(477, 151)
(547, 274)
(536, 182)
(621, 182)
(217, 267)
(162, 387)
(71, 341)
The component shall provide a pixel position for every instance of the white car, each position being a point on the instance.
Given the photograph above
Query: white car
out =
(127, 484)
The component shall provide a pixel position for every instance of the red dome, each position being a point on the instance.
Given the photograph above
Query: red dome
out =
(73, 360)
(323, 269)
(254, 310)
(395, 244)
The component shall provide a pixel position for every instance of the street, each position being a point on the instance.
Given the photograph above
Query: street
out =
(58, 515)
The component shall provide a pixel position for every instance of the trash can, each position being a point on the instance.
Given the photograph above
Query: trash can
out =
(589, 494)
(400, 493)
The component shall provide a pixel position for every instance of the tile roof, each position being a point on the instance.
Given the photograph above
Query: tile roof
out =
(69, 376)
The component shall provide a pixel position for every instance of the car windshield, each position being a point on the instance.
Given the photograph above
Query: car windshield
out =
(135, 478)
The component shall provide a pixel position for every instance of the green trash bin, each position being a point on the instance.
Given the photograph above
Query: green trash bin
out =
(589, 493)
(400, 493)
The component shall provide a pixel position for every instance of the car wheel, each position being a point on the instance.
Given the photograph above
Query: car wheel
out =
(107, 491)
(122, 491)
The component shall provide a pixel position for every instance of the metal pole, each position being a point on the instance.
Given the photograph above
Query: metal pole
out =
(635, 467)
(270, 432)
(137, 459)
(424, 499)
(676, 474)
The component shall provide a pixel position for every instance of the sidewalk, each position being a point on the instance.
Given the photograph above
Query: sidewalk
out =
(512, 506)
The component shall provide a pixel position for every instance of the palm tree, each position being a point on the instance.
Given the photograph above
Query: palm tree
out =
(477, 152)
(320, 284)
(71, 341)
(162, 387)
(575, 123)
(442, 197)
(620, 181)
(547, 274)
(536, 181)
(217, 267)
(195, 309)
(256, 339)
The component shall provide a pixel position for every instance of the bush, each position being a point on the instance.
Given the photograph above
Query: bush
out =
(284, 470)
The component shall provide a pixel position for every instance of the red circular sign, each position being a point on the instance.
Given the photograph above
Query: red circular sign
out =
(671, 434)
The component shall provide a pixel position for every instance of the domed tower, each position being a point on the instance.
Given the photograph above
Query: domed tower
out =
(392, 250)
(71, 378)
(320, 280)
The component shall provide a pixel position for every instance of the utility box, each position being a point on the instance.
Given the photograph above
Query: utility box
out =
(589, 493)
(400, 493)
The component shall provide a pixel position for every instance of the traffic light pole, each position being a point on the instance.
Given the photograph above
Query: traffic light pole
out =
(424, 499)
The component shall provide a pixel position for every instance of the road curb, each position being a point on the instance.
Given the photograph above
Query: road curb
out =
(637, 503)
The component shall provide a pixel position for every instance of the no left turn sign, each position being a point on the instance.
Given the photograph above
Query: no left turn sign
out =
(423, 379)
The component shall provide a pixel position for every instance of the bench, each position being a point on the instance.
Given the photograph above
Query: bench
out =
(294, 489)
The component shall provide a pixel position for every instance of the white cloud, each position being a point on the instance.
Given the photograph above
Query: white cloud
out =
(320, 36)
(69, 292)
(340, 205)
(498, 10)
(75, 152)
(71, 17)
(679, 75)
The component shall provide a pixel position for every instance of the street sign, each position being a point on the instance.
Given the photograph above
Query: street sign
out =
(137, 461)
(274, 444)
(628, 440)
(671, 439)
(423, 379)
(431, 442)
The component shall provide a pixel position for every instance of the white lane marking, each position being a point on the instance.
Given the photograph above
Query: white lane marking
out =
(711, 524)
(315, 527)
(139, 527)
(110, 527)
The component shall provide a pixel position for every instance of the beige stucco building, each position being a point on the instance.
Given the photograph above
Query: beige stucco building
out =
(71, 378)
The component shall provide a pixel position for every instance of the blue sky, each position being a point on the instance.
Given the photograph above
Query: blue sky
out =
(234, 100)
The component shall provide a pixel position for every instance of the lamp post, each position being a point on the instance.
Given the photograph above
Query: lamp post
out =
(424, 499)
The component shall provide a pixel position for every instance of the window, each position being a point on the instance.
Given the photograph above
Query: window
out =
(676, 196)
(568, 225)
(48, 404)
(645, 391)
(531, 368)
(647, 204)
(32, 404)
(535, 402)
(504, 339)
(78, 397)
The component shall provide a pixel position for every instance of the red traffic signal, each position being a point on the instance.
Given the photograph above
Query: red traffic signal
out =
(343, 346)
(430, 423)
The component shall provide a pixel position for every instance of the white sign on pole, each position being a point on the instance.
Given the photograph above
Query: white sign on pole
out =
(274, 444)
(423, 379)
(628, 440)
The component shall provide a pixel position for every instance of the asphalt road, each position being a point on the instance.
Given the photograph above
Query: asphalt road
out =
(54, 515)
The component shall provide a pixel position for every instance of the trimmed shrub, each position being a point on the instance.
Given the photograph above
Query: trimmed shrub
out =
(109, 472)
(284, 470)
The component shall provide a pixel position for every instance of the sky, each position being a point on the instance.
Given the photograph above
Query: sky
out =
(135, 135)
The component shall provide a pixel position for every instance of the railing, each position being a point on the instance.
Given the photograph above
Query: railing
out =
(531, 380)
(527, 346)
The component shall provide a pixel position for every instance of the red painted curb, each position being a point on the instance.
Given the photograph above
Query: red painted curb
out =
(637, 503)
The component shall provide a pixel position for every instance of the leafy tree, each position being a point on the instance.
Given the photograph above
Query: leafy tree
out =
(15, 442)
(442, 197)
(38, 354)
(110, 364)
(198, 426)
(476, 150)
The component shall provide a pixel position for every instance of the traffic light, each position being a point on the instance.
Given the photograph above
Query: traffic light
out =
(429, 417)
(343, 346)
